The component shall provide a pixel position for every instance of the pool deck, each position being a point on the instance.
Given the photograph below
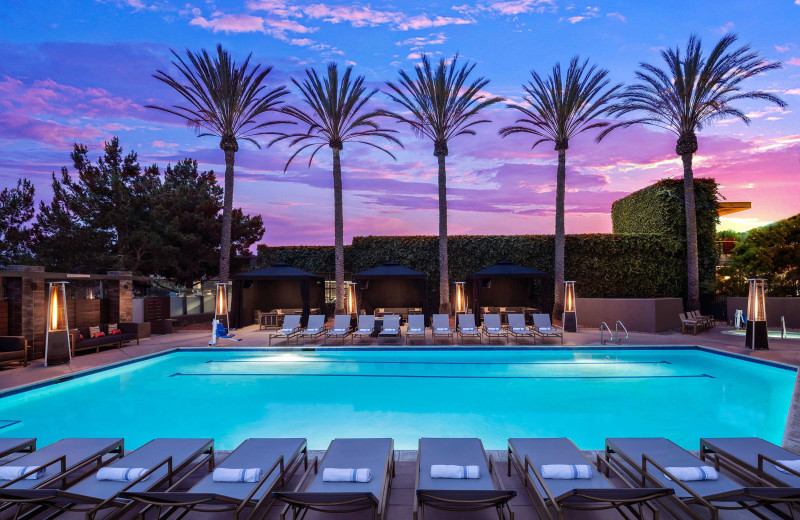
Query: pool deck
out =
(402, 488)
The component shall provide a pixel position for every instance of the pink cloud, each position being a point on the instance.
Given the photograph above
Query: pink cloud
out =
(794, 61)
(617, 16)
(515, 7)
(231, 23)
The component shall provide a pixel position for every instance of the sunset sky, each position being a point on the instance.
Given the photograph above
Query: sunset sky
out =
(80, 71)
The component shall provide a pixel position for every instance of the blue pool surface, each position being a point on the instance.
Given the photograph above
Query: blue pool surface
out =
(586, 395)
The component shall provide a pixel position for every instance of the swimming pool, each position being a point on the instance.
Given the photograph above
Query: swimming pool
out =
(584, 394)
(771, 333)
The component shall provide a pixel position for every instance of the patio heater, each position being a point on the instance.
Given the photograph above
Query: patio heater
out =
(756, 331)
(461, 298)
(221, 304)
(57, 347)
(570, 317)
(350, 302)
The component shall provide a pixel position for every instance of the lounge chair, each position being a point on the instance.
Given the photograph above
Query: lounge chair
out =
(441, 327)
(707, 319)
(544, 329)
(289, 329)
(645, 460)
(58, 460)
(553, 496)
(689, 323)
(518, 329)
(458, 494)
(466, 327)
(752, 460)
(493, 329)
(391, 327)
(341, 328)
(278, 459)
(162, 459)
(416, 327)
(366, 327)
(345, 497)
(314, 329)
(10, 446)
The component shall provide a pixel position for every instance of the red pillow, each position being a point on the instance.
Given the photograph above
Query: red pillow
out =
(98, 334)
(116, 331)
(81, 336)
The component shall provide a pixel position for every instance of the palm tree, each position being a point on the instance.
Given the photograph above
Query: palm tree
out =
(337, 114)
(225, 99)
(691, 91)
(441, 105)
(557, 109)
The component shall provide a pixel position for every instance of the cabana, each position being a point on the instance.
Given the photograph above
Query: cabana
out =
(394, 288)
(506, 288)
(277, 287)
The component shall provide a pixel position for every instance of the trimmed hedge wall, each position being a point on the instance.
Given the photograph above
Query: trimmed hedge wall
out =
(659, 208)
(604, 266)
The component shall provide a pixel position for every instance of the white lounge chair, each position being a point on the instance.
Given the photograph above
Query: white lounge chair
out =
(341, 328)
(416, 327)
(466, 327)
(315, 327)
(290, 328)
(441, 327)
(545, 329)
(366, 327)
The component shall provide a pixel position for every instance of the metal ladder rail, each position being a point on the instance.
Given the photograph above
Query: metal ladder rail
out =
(603, 341)
(616, 331)
(783, 327)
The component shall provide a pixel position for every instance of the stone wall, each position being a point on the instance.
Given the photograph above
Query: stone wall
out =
(637, 314)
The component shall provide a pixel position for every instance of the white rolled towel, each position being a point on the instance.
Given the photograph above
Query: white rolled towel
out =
(692, 473)
(390, 331)
(451, 471)
(442, 329)
(346, 475)
(520, 329)
(791, 464)
(493, 329)
(365, 331)
(14, 472)
(289, 331)
(237, 475)
(415, 331)
(467, 329)
(566, 471)
(121, 474)
(339, 331)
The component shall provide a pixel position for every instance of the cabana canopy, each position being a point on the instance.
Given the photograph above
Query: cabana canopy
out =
(278, 286)
(392, 285)
(505, 284)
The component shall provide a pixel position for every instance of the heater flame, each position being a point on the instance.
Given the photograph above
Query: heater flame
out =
(54, 309)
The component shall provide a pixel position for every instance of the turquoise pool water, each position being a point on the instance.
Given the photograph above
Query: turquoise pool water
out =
(586, 395)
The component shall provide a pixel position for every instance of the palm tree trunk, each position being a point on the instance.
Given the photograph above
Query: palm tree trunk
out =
(339, 231)
(227, 210)
(692, 269)
(444, 278)
(561, 186)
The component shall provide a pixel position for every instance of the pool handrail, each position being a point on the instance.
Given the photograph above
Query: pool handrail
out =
(616, 332)
(603, 341)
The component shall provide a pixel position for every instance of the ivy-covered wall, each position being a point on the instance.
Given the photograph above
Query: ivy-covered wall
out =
(659, 208)
(609, 266)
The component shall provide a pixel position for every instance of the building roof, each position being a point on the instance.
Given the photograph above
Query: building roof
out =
(505, 269)
(726, 208)
(388, 270)
(276, 271)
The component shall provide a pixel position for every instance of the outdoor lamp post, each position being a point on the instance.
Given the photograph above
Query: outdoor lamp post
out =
(570, 318)
(756, 331)
(351, 305)
(461, 298)
(221, 304)
(57, 347)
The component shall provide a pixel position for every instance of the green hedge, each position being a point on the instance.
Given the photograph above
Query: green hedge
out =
(611, 266)
(659, 208)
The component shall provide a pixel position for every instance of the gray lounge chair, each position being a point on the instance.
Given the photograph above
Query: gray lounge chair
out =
(492, 328)
(9, 446)
(466, 327)
(454, 494)
(345, 497)
(416, 327)
(553, 496)
(341, 328)
(752, 460)
(545, 329)
(366, 327)
(518, 329)
(645, 460)
(279, 459)
(162, 458)
(391, 327)
(314, 329)
(289, 329)
(58, 460)
(441, 327)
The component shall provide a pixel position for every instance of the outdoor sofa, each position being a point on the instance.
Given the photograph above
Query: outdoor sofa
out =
(81, 339)
(13, 349)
